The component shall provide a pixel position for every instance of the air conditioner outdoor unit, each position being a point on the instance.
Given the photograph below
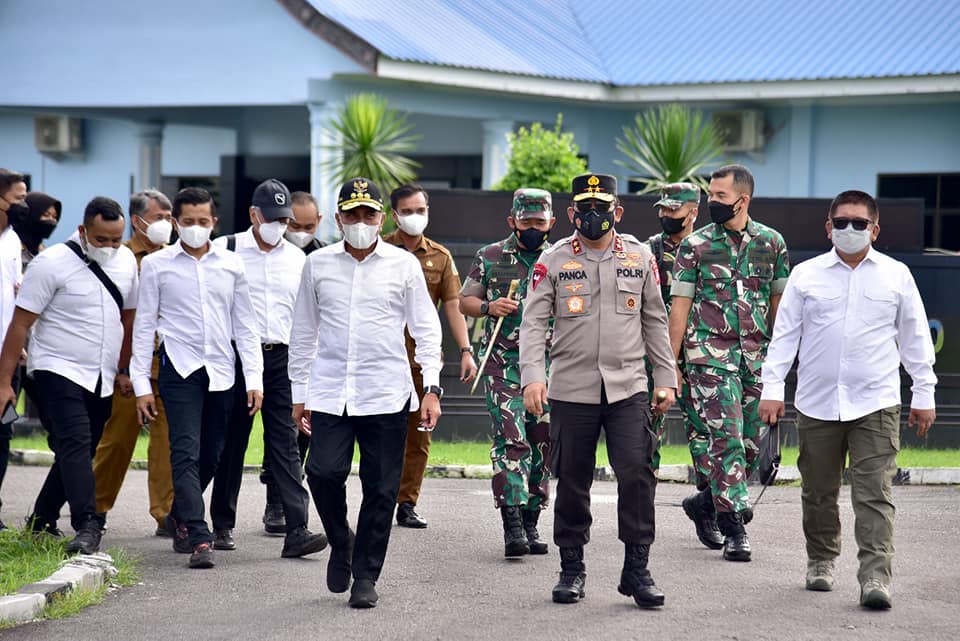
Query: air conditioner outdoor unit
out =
(57, 135)
(740, 130)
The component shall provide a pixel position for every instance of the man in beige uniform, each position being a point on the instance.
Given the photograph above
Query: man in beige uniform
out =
(603, 291)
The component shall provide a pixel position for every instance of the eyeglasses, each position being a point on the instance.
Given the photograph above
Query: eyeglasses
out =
(858, 223)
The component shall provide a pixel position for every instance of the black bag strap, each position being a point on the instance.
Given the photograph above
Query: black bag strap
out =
(101, 275)
(232, 243)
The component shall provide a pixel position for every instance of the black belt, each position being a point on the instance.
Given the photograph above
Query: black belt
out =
(267, 347)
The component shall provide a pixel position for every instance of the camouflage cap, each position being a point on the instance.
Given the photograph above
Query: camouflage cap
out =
(531, 203)
(676, 195)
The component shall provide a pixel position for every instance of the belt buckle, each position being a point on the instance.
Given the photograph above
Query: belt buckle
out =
(267, 347)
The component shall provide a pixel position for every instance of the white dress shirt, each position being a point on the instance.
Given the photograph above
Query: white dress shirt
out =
(196, 307)
(273, 278)
(853, 327)
(347, 349)
(11, 275)
(78, 333)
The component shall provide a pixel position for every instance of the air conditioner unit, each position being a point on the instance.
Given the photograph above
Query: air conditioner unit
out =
(57, 135)
(740, 130)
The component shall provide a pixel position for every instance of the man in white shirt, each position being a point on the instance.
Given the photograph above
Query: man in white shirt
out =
(273, 267)
(855, 315)
(351, 379)
(79, 297)
(13, 193)
(194, 296)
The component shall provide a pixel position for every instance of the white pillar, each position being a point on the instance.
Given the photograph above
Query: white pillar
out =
(496, 149)
(149, 156)
(322, 184)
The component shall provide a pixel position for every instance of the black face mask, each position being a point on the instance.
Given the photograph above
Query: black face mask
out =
(43, 228)
(720, 212)
(531, 239)
(593, 224)
(17, 213)
(672, 226)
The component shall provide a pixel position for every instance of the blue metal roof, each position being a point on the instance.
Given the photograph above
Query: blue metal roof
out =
(662, 42)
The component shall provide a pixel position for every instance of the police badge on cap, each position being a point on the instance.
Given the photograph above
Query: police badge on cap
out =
(598, 186)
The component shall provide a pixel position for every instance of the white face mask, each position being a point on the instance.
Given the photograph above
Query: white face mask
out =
(361, 235)
(272, 232)
(849, 240)
(194, 236)
(299, 238)
(159, 232)
(99, 255)
(412, 224)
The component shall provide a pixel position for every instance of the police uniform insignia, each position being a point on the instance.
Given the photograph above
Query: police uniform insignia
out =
(575, 304)
(571, 264)
(573, 287)
(630, 263)
(539, 273)
(618, 247)
(576, 247)
(634, 256)
(631, 302)
(654, 269)
(429, 263)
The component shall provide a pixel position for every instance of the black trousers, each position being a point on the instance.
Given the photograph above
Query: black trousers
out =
(280, 447)
(381, 438)
(74, 419)
(266, 473)
(574, 432)
(197, 420)
(6, 433)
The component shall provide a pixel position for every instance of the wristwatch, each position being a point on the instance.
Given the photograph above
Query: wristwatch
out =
(434, 389)
(124, 371)
(484, 307)
(467, 350)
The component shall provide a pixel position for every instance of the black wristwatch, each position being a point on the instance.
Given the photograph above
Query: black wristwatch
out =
(484, 307)
(123, 370)
(467, 350)
(433, 389)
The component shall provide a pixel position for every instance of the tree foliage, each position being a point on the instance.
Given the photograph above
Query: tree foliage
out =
(542, 158)
(373, 139)
(668, 144)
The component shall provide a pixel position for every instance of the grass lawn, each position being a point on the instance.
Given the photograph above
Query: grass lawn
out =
(25, 558)
(478, 452)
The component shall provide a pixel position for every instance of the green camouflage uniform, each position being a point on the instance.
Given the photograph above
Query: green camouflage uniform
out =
(730, 277)
(698, 436)
(521, 442)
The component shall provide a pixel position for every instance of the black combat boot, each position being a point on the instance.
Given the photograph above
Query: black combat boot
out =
(514, 538)
(635, 579)
(699, 507)
(573, 576)
(530, 518)
(736, 546)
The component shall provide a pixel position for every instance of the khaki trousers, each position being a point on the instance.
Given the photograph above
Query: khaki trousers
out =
(116, 450)
(416, 452)
(872, 443)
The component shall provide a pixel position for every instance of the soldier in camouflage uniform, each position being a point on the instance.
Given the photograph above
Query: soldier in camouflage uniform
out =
(727, 282)
(678, 208)
(521, 441)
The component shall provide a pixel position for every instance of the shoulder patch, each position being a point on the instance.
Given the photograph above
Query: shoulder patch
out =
(654, 269)
(539, 273)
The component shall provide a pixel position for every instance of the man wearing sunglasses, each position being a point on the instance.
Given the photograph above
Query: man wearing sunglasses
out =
(602, 291)
(855, 316)
(727, 282)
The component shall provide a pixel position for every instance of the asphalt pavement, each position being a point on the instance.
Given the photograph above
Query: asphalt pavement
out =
(450, 580)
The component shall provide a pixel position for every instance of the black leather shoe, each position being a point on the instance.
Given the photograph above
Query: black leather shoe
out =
(363, 594)
(704, 519)
(87, 540)
(573, 577)
(338, 566)
(223, 540)
(202, 557)
(39, 525)
(301, 542)
(736, 545)
(162, 528)
(274, 521)
(408, 517)
(635, 579)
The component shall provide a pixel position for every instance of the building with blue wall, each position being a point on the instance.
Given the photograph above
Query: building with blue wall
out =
(224, 93)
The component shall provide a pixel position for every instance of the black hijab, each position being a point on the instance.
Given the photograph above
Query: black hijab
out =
(31, 230)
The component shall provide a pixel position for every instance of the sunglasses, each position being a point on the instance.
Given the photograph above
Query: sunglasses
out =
(858, 223)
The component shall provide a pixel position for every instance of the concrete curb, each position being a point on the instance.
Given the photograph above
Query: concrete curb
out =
(682, 473)
(81, 572)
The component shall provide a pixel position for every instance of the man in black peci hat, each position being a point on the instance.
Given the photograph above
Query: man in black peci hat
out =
(597, 285)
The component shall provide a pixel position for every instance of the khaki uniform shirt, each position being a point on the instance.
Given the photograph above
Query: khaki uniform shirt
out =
(443, 280)
(608, 314)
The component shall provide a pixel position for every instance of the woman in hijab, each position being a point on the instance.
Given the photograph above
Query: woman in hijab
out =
(35, 224)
